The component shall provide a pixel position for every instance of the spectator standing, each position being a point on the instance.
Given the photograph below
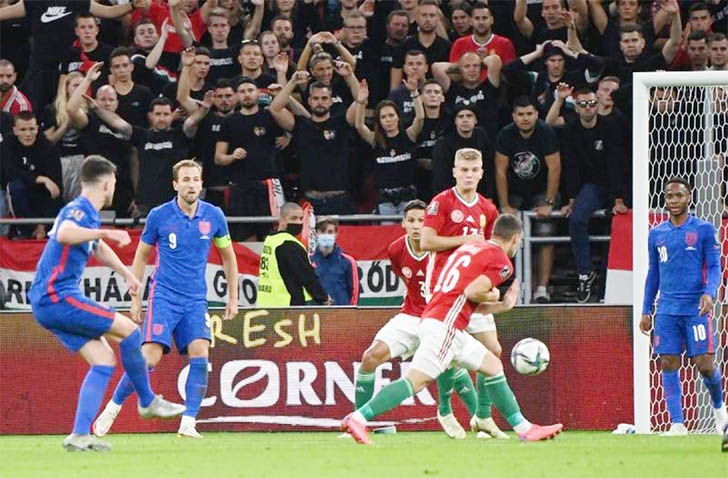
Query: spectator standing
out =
(321, 140)
(528, 171)
(133, 99)
(393, 147)
(595, 176)
(247, 142)
(337, 270)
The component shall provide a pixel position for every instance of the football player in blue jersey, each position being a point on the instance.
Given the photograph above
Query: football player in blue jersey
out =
(81, 324)
(183, 231)
(685, 269)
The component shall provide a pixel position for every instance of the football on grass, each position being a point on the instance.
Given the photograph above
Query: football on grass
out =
(530, 356)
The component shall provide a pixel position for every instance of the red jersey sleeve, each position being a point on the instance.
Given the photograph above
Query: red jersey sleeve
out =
(497, 267)
(435, 214)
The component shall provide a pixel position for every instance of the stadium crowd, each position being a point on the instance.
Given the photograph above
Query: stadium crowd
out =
(350, 105)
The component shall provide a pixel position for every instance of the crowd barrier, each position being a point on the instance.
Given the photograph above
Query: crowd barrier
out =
(293, 369)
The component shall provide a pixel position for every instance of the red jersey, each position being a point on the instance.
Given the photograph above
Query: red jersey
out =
(450, 215)
(159, 12)
(15, 101)
(411, 269)
(500, 45)
(469, 261)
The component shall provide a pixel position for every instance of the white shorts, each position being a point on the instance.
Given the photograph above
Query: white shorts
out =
(440, 348)
(400, 335)
(481, 323)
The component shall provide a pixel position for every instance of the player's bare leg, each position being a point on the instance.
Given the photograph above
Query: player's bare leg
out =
(482, 421)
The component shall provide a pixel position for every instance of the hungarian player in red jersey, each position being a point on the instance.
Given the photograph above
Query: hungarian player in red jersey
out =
(398, 337)
(468, 281)
(454, 217)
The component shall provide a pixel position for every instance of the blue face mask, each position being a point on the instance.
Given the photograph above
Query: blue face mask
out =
(326, 241)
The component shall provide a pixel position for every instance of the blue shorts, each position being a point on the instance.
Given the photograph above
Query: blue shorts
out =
(74, 319)
(692, 333)
(182, 320)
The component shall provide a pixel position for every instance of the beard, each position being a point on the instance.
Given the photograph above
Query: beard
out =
(5, 87)
(320, 111)
(249, 103)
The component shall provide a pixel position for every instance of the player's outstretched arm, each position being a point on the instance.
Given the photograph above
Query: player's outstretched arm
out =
(106, 255)
(71, 234)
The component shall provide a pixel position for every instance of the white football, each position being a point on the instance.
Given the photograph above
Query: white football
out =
(530, 356)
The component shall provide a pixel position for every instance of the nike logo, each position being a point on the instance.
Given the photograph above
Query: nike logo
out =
(53, 14)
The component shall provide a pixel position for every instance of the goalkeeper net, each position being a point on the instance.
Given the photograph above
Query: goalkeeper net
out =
(681, 129)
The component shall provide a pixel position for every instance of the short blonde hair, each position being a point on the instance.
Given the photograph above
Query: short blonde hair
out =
(468, 154)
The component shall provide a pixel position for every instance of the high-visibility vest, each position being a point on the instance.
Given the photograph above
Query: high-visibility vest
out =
(272, 291)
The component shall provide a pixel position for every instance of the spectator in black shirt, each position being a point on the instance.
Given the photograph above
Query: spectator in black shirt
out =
(321, 141)
(271, 47)
(31, 174)
(247, 142)
(223, 58)
(133, 99)
(378, 68)
(553, 25)
(51, 22)
(471, 90)
(86, 50)
(426, 40)
(415, 69)
(542, 88)
(434, 126)
(251, 61)
(216, 178)
(197, 77)
(161, 147)
(393, 148)
(103, 132)
(153, 67)
(595, 176)
(528, 171)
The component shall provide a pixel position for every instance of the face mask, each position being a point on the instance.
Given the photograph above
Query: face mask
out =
(294, 229)
(326, 241)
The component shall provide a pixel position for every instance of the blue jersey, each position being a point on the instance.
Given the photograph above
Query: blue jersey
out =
(60, 267)
(684, 265)
(183, 247)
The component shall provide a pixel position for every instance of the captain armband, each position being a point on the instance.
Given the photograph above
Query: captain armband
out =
(223, 241)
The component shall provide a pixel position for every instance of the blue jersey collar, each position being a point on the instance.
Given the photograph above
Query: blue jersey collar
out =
(90, 209)
(181, 213)
(687, 222)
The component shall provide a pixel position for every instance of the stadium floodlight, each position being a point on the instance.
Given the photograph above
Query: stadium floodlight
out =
(680, 129)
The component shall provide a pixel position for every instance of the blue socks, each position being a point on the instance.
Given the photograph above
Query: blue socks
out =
(90, 397)
(715, 388)
(673, 395)
(125, 388)
(196, 385)
(136, 368)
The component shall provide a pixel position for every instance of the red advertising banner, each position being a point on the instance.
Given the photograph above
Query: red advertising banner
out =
(294, 370)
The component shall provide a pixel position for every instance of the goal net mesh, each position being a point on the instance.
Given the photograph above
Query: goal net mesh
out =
(688, 137)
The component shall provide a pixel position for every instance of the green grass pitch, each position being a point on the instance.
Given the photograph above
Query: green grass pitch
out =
(403, 455)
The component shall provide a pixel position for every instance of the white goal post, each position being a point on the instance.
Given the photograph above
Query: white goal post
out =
(707, 173)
